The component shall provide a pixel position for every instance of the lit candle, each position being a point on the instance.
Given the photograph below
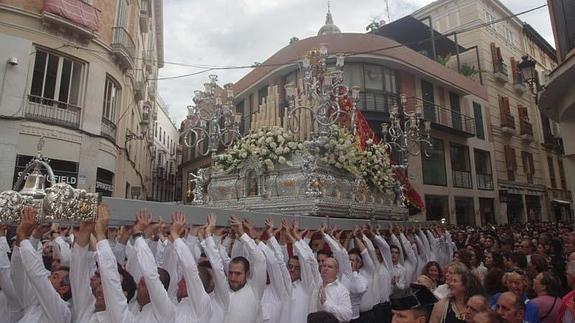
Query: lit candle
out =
(323, 49)
(339, 60)
(427, 125)
(355, 92)
(306, 62)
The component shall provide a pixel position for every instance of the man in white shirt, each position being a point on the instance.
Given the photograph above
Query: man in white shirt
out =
(89, 305)
(46, 293)
(198, 305)
(399, 276)
(334, 297)
(155, 304)
(246, 294)
(10, 305)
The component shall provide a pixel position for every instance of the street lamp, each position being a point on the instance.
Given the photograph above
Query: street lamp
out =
(529, 74)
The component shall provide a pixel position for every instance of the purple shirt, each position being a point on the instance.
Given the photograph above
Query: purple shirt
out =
(545, 305)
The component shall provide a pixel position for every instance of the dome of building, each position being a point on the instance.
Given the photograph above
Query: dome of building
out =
(329, 27)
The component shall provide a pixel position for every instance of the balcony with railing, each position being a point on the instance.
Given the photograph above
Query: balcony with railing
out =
(123, 47)
(507, 123)
(444, 119)
(108, 129)
(51, 111)
(526, 130)
(462, 179)
(500, 71)
(76, 16)
(484, 181)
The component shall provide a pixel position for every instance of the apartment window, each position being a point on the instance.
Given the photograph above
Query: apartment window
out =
(376, 83)
(56, 79)
(428, 100)
(156, 129)
(434, 166)
(461, 166)
(562, 174)
(497, 59)
(478, 115)
(436, 207)
(483, 170)
(464, 211)
(510, 162)
(552, 172)
(111, 96)
(456, 117)
(528, 166)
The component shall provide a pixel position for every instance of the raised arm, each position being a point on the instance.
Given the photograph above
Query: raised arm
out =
(54, 307)
(160, 301)
(385, 251)
(80, 264)
(222, 291)
(116, 303)
(258, 273)
(274, 246)
(6, 283)
(199, 297)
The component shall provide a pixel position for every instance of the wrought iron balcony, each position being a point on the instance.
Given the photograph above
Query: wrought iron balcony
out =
(77, 16)
(500, 71)
(462, 179)
(108, 129)
(53, 112)
(507, 123)
(484, 181)
(444, 119)
(526, 130)
(123, 47)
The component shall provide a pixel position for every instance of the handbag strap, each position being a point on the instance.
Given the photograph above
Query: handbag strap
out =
(550, 310)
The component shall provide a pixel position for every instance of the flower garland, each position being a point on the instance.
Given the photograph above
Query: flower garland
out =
(270, 145)
(375, 166)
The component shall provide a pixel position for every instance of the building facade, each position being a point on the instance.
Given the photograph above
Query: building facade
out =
(165, 155)
(528, 155)
(82, 75)
(557, 99)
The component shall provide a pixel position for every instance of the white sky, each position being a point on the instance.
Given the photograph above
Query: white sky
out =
(241, 32)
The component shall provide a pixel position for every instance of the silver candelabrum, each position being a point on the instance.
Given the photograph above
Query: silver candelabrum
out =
(406, 132)
(322, 93)
(211, 123)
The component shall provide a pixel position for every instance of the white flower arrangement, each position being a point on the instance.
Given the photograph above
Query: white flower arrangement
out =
(375, 166)
(269, 145)
(341, 151)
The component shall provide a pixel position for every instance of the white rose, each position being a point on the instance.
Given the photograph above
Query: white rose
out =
(273, 145)
(269, 163)
(279, 151)
(338, 165)
(282, 160)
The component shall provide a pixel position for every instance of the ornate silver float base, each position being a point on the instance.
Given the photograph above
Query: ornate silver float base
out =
(286, 190)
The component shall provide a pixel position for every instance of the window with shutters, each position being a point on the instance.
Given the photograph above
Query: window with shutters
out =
(525, 126)
(552, 172)
(510, 162)
(507, 120)
(478, 114)
(498, 63)
(528, 166)
(516, 73)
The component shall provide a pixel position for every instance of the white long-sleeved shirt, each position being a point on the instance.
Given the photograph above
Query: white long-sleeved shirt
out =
(198, 306)
(276, 292)
(372, 271)
(245, 303)
(385, 271)
(160, 308)
(296, 309)
(337, 301)
(61, 250)
(355, 283)
(47, 305)
(10, 306)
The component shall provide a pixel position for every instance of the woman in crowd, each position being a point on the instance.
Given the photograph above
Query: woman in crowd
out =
(452, 309)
